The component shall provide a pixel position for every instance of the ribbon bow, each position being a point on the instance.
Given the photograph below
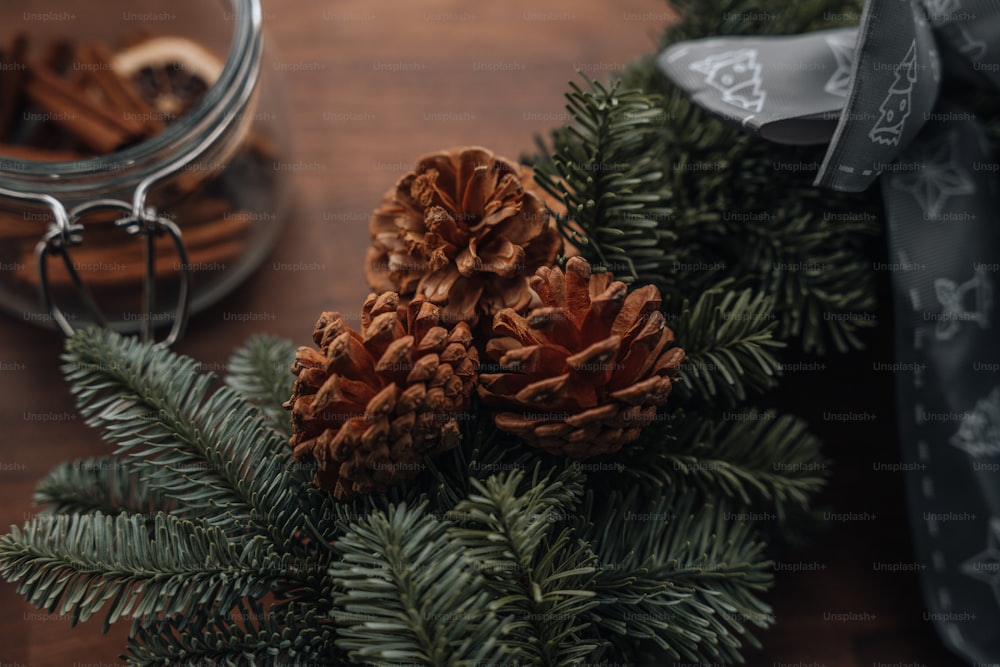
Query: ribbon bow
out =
(874, 94)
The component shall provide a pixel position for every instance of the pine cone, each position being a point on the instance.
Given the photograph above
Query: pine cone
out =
(583, 374)
(368, 407)
(466, 230)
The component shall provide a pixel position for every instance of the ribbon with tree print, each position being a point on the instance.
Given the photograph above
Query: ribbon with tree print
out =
(873, 94)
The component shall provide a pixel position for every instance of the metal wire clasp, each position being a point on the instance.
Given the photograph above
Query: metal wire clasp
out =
(66, 231)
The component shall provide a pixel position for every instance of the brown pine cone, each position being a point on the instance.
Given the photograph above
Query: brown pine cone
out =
(466, 230)
(367, 407)
(583, 374)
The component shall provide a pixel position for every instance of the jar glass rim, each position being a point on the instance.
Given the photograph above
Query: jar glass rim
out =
(218, 107)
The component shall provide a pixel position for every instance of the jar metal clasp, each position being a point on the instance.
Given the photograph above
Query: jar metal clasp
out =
(66, 231)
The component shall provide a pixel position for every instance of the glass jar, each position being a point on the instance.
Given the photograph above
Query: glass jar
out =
(122, 239)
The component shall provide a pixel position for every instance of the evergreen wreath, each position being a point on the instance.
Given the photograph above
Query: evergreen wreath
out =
(204, 531)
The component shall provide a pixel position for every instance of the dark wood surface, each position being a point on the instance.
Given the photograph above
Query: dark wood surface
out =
(358, 121)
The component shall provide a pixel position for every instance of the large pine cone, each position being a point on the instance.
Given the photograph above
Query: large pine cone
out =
(583, 374)
(367, 408)
(466, 230)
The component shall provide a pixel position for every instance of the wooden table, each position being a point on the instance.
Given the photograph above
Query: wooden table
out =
(359, 123)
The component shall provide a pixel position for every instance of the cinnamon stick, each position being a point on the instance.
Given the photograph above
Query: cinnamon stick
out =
(97, 57)
(56, 55)
(93, 125)
(125, 266)
(12, 82)
(22, 152)
(201, 210)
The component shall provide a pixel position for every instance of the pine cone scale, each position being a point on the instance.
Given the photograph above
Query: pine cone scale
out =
(368, 424)
(601, 413)
(651, 388)
(557, 325)
(382, 404)
(597, 359)
(467, 234)
(582, 374)
(669, 362)
(550, 391)
(338, 395)
(512, 293)
(638, 303)
(478, 187)
(347, 356)
(644, 352)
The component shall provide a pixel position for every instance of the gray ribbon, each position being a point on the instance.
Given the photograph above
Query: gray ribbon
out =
(873, 94)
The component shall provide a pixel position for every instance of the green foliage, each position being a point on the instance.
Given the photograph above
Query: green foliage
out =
(476, 562)
(686, 590)
(261, 370)
(411, 595)
(102, 484)
(613, 190)
(488, 451)
(539, 574)
(214, 454)
(77, 563)
(758, 460)
(282, 636)
(727, 340)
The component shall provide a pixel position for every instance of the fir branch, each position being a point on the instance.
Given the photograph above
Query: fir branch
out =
(812, 261)
(261, 371)
(543, 580)
(285, 636)
(612, 189)
(410, 595)
(214, 453)
(105, 484)
(679, 579)
(764, 463)
(76, 564)
(483, 451)
(727, 340)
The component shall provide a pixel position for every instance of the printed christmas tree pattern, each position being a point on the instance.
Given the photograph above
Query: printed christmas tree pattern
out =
(896, 106)
(737, 75)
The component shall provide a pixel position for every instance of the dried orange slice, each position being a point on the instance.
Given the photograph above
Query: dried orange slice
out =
(172, 74)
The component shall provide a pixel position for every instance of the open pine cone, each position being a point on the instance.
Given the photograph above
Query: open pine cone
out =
(466, 230)
(583, 374)
(367, 407)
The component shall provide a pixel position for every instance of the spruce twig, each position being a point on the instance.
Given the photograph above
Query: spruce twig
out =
(612, 189)
(410, 595)
(759, 461)
(261, 370)
(212, 453)
(104, 484)
(278, 637)
(76, 564)
(728, 341)
(539, 573)
(680, 578)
